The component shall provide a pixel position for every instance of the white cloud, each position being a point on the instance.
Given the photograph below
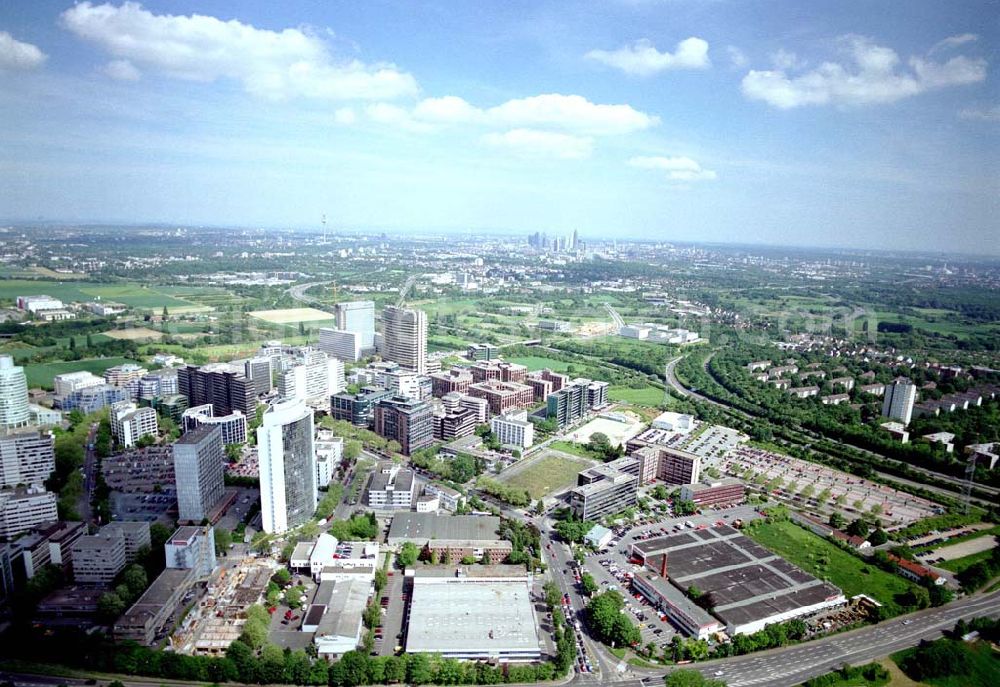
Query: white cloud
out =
(396, 116)
(987, 114)
(122, 70)
(270, 64)
(449, 109)
(677, 168)
(534, 143)
(953, 42)
(572, 113)
(641, 58)
(345, 116)
(16, 55)
(737, 58)
(876, 78)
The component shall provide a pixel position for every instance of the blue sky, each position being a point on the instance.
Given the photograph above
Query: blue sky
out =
(863, 124)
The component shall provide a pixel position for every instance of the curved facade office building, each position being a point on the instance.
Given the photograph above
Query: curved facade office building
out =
(288, 490)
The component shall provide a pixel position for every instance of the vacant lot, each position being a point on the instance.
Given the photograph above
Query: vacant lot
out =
(290, 315)
(824, 560)
(132, 295)
(544, 475)
(134, 334)
(41, 374)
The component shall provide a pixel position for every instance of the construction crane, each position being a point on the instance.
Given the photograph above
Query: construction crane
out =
(405, 289)
(619, 322)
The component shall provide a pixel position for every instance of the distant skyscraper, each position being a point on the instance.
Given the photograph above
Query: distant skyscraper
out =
(899, 399)
(404, 338)
(287, 466)
(358, 316)
(14, 410)
(198, 471)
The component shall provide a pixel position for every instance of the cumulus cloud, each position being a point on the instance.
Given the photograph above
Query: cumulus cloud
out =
(16, 55)
(874, 77)
(534, 143)
(985, 114)
(953, 42)
(270, 64)
(571, 114)
(122, 70)
(676, 168)
(641, 58)
(785, 59)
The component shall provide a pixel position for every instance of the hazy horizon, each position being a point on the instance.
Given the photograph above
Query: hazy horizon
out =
(843, 125)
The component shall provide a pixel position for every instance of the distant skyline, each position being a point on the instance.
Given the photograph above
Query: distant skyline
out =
(852, 124)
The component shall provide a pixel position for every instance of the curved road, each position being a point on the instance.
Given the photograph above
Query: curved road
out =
(674, 383)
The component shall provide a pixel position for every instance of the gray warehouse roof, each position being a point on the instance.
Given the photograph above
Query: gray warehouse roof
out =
(423, 527)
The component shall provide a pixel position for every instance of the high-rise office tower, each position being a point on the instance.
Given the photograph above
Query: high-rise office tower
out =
(404, 338)
(899, 399)
(198, 470)
(358, 316)
(288, 491)
(220, 384)
(313, 376)
(14, 410)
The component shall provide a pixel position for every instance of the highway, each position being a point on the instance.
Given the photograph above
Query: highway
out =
(671, 378)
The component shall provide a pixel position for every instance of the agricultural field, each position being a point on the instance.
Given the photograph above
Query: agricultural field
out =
(133, 295)
(41, 374)
(822, 559)
(290, 315)
(551, 472)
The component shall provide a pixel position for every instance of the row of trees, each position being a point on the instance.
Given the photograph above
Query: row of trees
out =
(608, 623)
(519, 498)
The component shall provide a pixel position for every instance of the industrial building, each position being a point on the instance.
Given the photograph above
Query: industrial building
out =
(749, 586)
(450, 537)
(477, 613)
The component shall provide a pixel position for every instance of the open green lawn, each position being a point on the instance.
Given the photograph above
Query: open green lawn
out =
(41, 374)
(547, 474)
(573, 448)
(537, 362)
(819, 557)
(984, 664)
(957, 565)
(647, 396)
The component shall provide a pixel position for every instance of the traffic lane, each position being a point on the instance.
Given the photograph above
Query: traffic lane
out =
(793, 665)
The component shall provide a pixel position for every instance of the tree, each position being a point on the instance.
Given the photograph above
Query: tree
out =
(282, 577)
(878, 537)
(682, 507)
(110, 606)
(837, 520)
(418, 669)
(608, 624)
(858, 528)
(588, 584)
(408, 554)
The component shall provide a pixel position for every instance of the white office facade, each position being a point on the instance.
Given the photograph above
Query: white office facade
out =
(14, 410)
(288, 491)
(404, 338)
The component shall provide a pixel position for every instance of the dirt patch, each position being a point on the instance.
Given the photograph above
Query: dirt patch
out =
(134, 334)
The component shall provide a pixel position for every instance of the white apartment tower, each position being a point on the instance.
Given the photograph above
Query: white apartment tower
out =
(313, 377)
(404, 338)
(899, 399)
(14, 411)
(288, 492)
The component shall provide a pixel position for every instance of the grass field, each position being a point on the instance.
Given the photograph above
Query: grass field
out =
(290, 315)
(824, 560)
(573, 448)
(41, 374)
(547, 474)
(957, 565)
(537, 362)
(647, 396)
(983, 662)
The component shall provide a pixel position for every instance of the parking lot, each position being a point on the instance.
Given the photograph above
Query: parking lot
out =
(612, 570)
(286, 621)
(147, 507)
(393, 605)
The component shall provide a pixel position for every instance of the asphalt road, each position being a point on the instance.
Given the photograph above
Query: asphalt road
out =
(84, 504)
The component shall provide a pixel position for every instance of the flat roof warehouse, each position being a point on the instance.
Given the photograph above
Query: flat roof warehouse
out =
(750, 586)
